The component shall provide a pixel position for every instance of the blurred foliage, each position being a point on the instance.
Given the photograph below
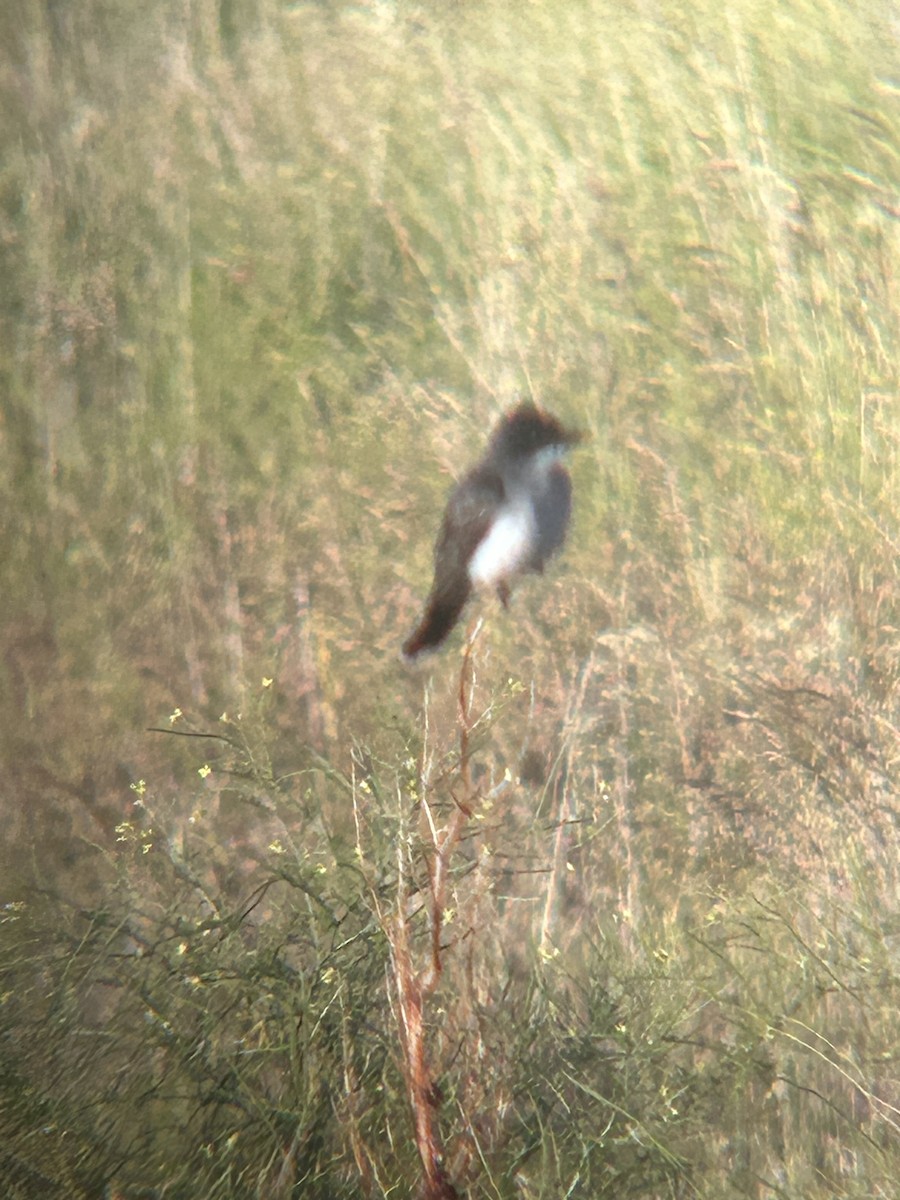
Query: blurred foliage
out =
(270, 272)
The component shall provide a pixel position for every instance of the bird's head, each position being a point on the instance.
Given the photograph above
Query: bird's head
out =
(528, 429)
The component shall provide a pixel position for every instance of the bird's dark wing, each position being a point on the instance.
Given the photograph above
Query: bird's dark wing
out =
(467, 517)
(552, 512)
(472, 506)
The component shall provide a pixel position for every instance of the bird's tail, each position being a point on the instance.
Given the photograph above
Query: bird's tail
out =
(441, 615)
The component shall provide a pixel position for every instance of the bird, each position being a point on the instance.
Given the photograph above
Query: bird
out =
(506, 517)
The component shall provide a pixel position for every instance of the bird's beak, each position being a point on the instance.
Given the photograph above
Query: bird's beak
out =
(575, 437)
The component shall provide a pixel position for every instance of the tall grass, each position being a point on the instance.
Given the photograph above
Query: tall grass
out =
(270, 272)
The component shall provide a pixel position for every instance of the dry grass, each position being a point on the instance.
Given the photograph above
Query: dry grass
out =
(271, 273)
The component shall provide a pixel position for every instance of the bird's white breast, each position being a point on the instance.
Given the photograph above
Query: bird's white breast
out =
(506, 546)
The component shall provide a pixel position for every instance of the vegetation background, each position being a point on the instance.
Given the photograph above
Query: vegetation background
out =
(269, 272)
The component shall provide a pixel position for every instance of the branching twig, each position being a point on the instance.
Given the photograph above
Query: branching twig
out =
(414, 986)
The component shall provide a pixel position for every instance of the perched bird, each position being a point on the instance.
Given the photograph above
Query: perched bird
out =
(507, 516)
